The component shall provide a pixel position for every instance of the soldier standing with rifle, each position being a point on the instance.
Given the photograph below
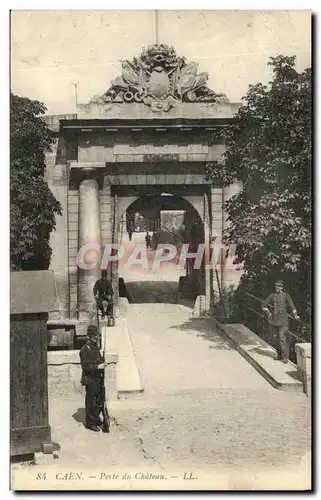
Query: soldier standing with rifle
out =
(275, 306)
(93, 374)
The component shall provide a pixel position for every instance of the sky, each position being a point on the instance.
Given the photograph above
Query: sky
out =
(51, 50)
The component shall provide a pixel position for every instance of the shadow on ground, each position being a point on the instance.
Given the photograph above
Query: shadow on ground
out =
(265, 352)
(295, 375)
(152, 291)
(205, 329)
(80, 415)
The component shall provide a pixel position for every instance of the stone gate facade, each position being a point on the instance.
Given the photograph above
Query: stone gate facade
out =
(151, 131)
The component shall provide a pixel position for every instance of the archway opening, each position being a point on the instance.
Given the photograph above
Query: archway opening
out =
(159, 233)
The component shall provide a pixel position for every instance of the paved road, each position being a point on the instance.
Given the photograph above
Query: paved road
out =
(177, 352)
(204, 405)
(205, 410)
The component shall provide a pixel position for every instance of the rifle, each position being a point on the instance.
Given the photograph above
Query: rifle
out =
(103, 404)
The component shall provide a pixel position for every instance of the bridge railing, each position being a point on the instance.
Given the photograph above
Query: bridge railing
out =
(255, 319)
(249, 312)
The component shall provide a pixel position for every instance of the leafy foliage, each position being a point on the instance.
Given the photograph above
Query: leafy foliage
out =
(32, 204)
(269, 150)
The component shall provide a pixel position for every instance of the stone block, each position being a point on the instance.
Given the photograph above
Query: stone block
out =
(216, 198)
(73, 197)
(73, 234)
(200, 307)
(105, 217)
(303, 353)
(104, 198)
(123, 305)
(216, 226)
(72, 217)
(73, 278)
(73, 251)
(73, 208)
(73, 226)
(73, 243)
(217, 205)
(72, 262)
(105, 207)
(111, 360)
(73, 269)
(106, 235)
(216, 190)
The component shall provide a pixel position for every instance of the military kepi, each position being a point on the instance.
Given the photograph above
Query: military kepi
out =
(92, 331)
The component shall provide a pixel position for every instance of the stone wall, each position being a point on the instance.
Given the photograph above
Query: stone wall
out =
(57, 177)
(121, 154)
(118, 146)
(181, 110)
(73, 220)
(232, 274)
(304, 366)
(64, 374)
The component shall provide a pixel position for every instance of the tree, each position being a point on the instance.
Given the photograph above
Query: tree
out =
(32, 205)
(268, 148)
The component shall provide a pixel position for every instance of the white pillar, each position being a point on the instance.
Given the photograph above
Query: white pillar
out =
(89, 233)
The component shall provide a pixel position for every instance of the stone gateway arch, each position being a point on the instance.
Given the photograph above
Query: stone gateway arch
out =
(150, 132)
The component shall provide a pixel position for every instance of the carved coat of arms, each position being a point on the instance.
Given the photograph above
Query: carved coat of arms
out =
(160, 79)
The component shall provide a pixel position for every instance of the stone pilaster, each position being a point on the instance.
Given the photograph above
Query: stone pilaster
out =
(89, 233)
(232, 274)
(73, 223)
(217, 232)
(106, 214)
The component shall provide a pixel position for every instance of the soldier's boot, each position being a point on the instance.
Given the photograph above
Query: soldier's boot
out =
(94, 428)
(111, 321)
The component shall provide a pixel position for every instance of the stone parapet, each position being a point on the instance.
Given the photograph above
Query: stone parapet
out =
(182, 110)
(64, 373)
(303, 354)
(262, 357)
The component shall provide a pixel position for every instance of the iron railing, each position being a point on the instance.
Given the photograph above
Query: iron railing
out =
(295, 324)
(257, 321)
(249, 312)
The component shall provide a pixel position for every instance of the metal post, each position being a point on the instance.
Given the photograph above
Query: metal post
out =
(76, 93)
(156, 26)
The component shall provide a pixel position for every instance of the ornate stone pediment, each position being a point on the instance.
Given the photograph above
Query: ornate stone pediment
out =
(160, 79)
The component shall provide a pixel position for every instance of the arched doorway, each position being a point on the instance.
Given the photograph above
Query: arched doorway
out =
(170, 220)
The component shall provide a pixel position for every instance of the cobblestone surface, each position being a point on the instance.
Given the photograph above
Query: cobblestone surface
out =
(239, 428)
(205, 410)
(212, 405)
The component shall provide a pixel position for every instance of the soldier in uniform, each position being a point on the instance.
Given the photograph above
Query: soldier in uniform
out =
(148, 240)
(92, 364)
(103, 292)
(275, 306)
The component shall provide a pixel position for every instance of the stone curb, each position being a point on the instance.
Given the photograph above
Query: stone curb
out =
(128, 378)
(284, 377)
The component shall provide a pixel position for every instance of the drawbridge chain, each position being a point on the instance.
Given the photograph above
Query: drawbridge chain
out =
(114, 238)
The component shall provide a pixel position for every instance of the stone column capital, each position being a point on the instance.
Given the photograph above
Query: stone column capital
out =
(88, 173)
(80, 171)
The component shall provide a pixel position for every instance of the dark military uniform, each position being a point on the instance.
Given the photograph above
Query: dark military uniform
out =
(104, 289)
(148, 240)
(92, 378)
(277, 304)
